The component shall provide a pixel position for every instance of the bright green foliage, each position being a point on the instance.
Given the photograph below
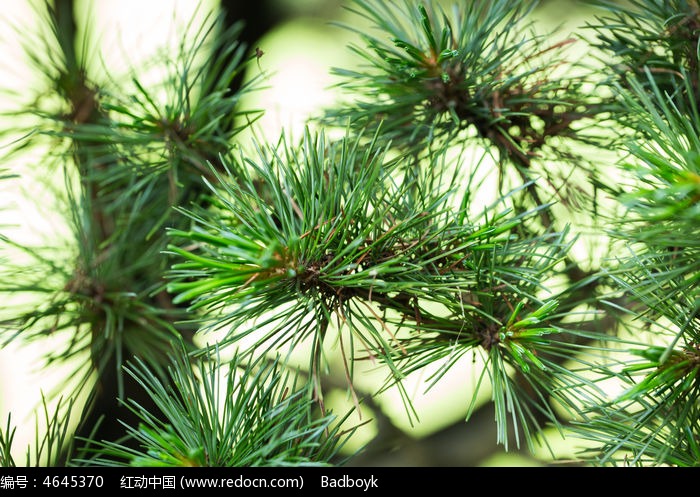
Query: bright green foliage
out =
(431, 216)
(224, 414)
(477, 73)
(408, 280)
(654, 48)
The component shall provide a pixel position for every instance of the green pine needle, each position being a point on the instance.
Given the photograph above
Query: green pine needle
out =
(224, 414)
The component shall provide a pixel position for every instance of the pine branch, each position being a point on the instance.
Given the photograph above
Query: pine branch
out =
(476, 73)
(407, 285)
(223, 415)
(134, 157)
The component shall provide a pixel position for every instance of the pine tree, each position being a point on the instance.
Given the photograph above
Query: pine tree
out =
(479, 197)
